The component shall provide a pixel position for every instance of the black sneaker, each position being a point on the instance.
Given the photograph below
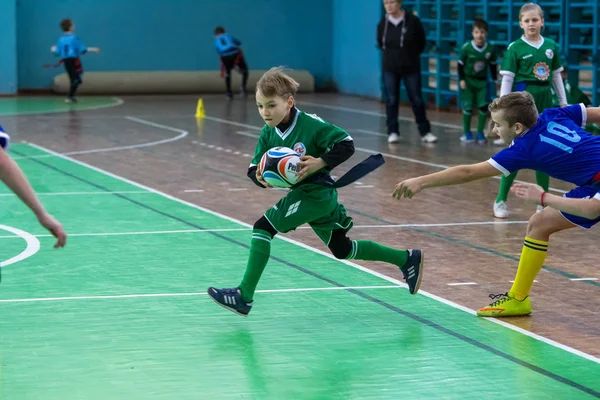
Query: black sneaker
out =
(413, 270)
(231, 299)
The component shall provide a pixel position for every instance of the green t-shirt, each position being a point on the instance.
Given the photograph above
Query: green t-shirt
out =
(529, 63)
(477, 60)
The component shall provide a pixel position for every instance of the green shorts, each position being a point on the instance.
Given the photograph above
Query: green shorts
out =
(475, 95)
(542, 94)
(310, 204)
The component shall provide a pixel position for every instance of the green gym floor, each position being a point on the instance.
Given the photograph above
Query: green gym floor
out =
(121, 311)
(43, 105)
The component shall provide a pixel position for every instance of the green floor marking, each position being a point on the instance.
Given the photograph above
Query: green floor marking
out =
(42, 105)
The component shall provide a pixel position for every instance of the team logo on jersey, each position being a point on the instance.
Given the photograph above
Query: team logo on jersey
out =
(541, 71)
(549, 54)
(479, 66)
(488, 55)
(300, 148)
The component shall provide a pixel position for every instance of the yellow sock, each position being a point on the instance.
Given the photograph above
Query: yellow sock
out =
(533, 256)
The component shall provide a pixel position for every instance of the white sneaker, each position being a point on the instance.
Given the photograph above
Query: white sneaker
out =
(499, 142)
(501, 210)
(429, 138)
(393, 138)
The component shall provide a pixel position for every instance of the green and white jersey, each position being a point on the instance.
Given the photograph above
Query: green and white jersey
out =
(307, 135)
(477, 60)
(528, 62)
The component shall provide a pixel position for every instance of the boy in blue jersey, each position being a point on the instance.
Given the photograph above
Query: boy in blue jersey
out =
(15, 179)
(553, 143)
(69, 48)
(231, 57)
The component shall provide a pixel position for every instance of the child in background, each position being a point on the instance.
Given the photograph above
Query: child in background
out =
(477, 56)
(69, 48)
(231, 57)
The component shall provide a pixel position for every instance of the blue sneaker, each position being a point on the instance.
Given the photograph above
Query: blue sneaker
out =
(481, 138)
(467, 138)
(413, 270)
(231, 299)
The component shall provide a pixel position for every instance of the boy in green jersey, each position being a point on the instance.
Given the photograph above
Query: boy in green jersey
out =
(322, 147)
(477, 57)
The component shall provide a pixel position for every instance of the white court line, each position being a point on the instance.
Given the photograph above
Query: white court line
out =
(80, 193)
(351, 264)
(584, 279)
(462, 283)
(182, 134)
(194, 190)
(249, 229)
(367, 132)
(32, 245)
(239, 124)
(374, 114)
(449, 224)
(369, 151)
(133, 296)
(248, 134)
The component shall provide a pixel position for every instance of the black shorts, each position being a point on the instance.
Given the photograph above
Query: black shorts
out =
(233, 61)
(74, 68)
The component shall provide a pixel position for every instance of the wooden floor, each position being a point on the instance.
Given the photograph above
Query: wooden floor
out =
(156, 141)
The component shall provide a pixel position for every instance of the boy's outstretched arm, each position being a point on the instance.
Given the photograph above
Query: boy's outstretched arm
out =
(13, 177)
(450, 176)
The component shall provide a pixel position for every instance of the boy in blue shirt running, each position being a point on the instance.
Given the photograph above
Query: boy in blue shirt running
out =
(231, 57)
(69, 48)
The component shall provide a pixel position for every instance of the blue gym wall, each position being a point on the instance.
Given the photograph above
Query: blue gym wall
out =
(356, 65)
(168, 35)
(8, 47)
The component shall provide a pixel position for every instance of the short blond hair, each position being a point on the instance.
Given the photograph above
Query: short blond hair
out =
(516, 107)
(275, 82)
(530, 7)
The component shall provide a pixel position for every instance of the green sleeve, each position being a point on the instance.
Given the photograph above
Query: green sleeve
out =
(463, 53)
(329, 135)
(326, 134)
(510, 60)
